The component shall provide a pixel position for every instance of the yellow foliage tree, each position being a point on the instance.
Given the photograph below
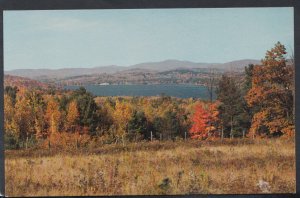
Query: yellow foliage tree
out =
(122, 114)
(23, 121)
(8, 113)
(36, 104)
(53, 116)
(72, 116)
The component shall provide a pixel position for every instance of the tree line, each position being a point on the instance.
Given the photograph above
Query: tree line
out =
(260, 104)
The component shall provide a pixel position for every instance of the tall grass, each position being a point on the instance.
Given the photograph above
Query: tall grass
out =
(154, 168)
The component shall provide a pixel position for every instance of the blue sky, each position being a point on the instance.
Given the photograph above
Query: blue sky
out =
(90, 38)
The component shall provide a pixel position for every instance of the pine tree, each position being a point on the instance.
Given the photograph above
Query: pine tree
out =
(87, 109)
(231, 106)
(137, 126)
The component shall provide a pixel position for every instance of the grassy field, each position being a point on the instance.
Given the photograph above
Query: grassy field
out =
(153, 168)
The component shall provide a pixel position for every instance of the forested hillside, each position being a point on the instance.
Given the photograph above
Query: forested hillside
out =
(23, 83)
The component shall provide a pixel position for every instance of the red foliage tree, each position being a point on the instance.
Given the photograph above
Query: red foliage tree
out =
(200, 120)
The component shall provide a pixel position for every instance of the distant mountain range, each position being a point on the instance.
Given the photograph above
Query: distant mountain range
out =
(166, 65)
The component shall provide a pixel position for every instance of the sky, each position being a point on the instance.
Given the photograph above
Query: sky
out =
(90, 38)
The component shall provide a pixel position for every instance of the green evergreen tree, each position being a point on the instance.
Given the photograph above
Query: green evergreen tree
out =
(87, 109)
(137, 126)
(232, 111)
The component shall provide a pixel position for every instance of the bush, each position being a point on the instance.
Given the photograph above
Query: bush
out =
(10, 141)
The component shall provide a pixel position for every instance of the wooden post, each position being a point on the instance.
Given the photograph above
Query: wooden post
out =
(243, 133)
(185, 136)
(231, 128)
(222, 133)
(49, 145)
(26, 145)
(151, 136)
(160, 137)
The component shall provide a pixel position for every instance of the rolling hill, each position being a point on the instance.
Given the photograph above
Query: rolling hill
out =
(166, 65)
(22, 82)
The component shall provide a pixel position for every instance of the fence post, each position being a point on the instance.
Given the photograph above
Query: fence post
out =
(49, 145)
(151, 136)
(26, 145)
(222, 134)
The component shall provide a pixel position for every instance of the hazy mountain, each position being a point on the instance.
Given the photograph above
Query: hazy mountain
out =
(62, 73)
(150, 66)
(239, 64)
(172, 64)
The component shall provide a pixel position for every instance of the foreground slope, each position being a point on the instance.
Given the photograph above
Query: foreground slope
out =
(262, 166)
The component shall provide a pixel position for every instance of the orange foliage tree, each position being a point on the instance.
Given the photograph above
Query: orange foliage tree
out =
(205, 121)
(272, 95)
(200, 119)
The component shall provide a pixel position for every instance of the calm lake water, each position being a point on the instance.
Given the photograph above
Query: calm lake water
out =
(180, 91)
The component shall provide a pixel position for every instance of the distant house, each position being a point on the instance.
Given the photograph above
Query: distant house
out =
(104, 84)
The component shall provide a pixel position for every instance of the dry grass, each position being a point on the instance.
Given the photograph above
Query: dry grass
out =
(155, 168)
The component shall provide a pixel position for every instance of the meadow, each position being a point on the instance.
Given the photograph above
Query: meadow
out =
(155, 168)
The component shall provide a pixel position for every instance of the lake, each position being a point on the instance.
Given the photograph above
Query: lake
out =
(180, 91)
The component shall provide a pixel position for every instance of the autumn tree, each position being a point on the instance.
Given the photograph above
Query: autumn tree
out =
(272, 94)
(122, 115)
(149, 110)
(72, 117)
(200, 121)
(23, 121)
(104, 117)
(37, 104)
(53, 116)
(12, 93)
(10, 134)
(8, 112)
